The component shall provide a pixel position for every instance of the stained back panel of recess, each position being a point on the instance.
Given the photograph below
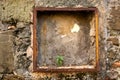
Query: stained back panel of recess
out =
(70, 34)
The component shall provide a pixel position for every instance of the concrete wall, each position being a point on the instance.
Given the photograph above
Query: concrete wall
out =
(16, 39)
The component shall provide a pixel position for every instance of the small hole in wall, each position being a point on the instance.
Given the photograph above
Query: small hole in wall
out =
(3, 8)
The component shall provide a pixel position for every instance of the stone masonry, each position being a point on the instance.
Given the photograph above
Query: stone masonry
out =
(16, 39)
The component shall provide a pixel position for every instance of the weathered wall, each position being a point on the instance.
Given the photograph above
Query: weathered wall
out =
(113, 39)
(102, 7)
(64, 31)
(16, 9)
(6, 52)
(16, 39)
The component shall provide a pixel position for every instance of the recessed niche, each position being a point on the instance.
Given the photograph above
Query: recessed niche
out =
(65, 39)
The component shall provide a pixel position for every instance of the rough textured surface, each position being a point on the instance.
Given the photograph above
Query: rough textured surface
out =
(113, 39)
(21, 42)
(6, 52)
(66, 3)
(16, 9)
(102, 7)
(66, 34)
(12, 77)
(16, 15)
(114, 22)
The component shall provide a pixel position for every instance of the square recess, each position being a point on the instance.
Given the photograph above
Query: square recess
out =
(65, 39)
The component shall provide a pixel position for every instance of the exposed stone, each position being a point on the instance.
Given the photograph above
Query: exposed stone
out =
(20, 25)
(114, 33)
(24, 73)
(112, 55)
(22, 38)
(1, 69)
(29, 51)
(112, 74)
(3, 27)
(114, 40)
(20, 72)
(12, 77)
(21, 11)
(116, 64)
(22, 61)
(11, 27)
(115, 19)
(1, 75)
(6, 52)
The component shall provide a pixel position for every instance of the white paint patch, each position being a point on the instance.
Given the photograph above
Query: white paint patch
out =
(75, 28)
(62, 36)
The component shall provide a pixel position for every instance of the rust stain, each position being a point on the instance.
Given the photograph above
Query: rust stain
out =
(97, 40)
(44, 46)
(65, 9)
(64, 25)
(34, 42)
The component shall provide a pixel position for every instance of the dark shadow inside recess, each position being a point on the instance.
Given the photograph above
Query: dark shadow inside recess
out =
(65, 38)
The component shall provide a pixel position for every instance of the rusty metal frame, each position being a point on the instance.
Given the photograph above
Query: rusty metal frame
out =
(63, 69)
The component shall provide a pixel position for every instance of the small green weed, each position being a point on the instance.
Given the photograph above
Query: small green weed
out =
(59, 60)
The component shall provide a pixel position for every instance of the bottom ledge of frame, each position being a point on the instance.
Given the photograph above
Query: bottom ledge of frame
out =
(70, 67)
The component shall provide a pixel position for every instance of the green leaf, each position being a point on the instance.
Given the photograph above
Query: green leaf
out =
(59, 60)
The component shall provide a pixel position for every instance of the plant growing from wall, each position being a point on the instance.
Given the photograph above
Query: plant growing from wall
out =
(59, 60)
